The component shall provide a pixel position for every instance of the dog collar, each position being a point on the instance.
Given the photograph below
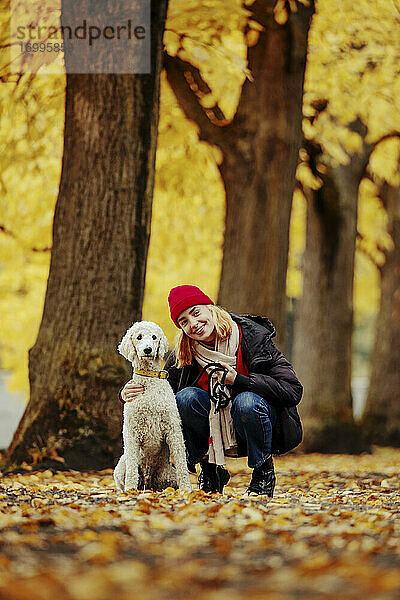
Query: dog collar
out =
(158, 374)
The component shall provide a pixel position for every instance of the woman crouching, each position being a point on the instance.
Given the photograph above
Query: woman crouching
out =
(236, 392)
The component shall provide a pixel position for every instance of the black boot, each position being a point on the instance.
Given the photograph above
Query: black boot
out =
(212, 477)
(263, 480)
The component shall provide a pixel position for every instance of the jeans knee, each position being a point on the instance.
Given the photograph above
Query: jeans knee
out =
(244, 405)
(190, 397)
(185, 397)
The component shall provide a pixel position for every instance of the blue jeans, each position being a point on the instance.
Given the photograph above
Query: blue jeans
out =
(253, 420)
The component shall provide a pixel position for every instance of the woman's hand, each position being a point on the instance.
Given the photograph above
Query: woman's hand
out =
(131, 390)
(230, 376)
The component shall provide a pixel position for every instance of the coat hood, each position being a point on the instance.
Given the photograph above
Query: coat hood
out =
(263, 321)
(257, 332)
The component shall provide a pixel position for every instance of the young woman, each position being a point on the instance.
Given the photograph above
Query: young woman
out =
(246, 409)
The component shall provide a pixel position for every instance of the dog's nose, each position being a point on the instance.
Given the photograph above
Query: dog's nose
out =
(147, 350)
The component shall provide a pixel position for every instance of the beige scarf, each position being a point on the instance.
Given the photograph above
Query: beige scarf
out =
(222, 433)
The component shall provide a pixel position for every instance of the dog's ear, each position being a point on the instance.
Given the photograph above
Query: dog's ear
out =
(163, 346)
(126, 347)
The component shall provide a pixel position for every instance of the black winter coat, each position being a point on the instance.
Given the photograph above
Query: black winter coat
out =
(270, 376)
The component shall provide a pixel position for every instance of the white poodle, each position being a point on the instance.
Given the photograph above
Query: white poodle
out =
(152, 426)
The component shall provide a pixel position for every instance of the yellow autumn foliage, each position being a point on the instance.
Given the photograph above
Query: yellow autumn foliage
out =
(352, 64)
(31, 150)
(353, 57)
(188, 214)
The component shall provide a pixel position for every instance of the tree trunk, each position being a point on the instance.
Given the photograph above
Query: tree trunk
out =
(324, 324)
(260, 153)
(381, 419)
(96, 281)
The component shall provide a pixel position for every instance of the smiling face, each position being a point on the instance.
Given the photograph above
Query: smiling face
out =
(197, 322)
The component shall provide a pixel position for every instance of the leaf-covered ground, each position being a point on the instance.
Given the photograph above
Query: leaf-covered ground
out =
(331, 531)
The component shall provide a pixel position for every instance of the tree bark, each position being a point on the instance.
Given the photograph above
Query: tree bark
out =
(260, 153)
(324, 324)
(95, 287)
(381, 419)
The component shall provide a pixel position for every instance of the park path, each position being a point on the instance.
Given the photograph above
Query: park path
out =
(332, 531)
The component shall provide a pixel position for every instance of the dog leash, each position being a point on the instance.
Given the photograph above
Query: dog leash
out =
(216, 390)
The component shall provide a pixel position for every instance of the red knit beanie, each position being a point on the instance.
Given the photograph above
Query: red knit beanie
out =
(182, 297)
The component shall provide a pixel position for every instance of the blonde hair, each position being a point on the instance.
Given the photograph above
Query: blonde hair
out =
(223, 329)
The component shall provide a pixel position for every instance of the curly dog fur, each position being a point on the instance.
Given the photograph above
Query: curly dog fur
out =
(152, 426)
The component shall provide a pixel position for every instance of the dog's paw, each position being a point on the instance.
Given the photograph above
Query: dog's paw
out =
(131, 487)
(185, 486)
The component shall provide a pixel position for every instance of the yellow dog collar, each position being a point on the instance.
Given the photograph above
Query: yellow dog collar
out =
(158, 374)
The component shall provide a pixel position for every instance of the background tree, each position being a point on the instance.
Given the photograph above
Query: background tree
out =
(381, 419)
(96, 281)
(344, 131)
(353, 66)
(259, 153)
(324, 323)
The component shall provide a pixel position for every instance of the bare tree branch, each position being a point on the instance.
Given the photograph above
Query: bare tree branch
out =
(47, 249)
(4, 229)
(8, 232)
(188, 87)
